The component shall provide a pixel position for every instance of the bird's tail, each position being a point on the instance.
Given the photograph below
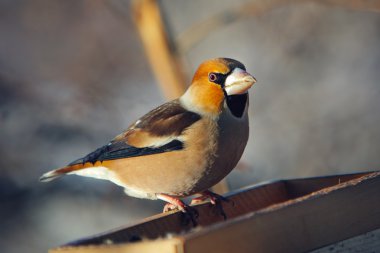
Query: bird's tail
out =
(54, 174)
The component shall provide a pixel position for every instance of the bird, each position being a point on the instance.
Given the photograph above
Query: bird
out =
(181, 148)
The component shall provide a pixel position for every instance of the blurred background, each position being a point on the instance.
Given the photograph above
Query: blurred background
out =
(73, 74)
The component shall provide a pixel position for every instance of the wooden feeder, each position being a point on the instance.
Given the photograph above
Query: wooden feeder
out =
(299, 215)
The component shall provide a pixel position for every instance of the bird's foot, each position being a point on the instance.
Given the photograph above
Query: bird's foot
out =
(215, 200)
(213, 197)
(189, 214)
(171, 207)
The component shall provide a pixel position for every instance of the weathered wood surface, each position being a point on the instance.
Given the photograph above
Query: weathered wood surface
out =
(284, 216)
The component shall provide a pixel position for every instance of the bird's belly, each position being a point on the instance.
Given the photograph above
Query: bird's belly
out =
(175, 173)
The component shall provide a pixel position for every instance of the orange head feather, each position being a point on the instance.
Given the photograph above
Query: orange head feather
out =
(205, 96)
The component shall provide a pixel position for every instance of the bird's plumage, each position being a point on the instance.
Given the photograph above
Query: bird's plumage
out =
(182, 147)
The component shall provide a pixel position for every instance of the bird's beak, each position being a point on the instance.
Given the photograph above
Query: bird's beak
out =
(238, 82)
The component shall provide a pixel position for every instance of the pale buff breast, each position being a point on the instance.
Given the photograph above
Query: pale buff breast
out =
(176, 172)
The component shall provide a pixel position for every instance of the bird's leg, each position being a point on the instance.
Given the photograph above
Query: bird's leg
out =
(175, 203)
(172, 203)
(214, 198)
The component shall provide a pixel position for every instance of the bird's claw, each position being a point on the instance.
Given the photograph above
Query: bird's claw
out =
(219, 209)
(215, 199)
(170, 207)
(188, 213)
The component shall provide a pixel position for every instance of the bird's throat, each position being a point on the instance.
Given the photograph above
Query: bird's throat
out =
(237, 104)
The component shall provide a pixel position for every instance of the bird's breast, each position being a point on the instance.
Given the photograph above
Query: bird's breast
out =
(231, 139)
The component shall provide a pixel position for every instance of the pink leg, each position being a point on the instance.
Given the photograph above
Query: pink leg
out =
(172, 203)
(189, 214)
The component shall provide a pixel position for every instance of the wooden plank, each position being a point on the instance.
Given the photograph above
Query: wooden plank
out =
(160, 225)
(172, 245)
(303, 224)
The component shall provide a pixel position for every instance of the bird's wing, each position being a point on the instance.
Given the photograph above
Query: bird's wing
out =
(156, 132)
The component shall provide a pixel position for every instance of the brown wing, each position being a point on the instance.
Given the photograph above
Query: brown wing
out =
(159, 126)
(156, 132)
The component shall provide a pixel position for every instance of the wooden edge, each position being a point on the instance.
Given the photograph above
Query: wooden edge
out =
(313, 183)
(299, 225)
(300, 187)
(255, 198)
(169, 245)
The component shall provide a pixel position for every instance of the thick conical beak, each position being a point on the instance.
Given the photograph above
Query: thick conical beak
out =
(238, 82)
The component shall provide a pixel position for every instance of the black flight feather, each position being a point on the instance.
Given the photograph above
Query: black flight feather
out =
(119, 150)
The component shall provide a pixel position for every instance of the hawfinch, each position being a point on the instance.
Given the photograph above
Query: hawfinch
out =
(182, 147)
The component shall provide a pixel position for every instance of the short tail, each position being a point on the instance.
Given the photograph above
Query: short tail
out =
(54, 174)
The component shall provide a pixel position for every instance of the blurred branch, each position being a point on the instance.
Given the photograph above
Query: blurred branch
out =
(163, 59)
(197, 32)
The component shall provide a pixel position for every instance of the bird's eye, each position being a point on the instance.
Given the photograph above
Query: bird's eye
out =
(212, 77)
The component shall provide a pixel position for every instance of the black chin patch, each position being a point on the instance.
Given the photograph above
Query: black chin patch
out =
(236, 104)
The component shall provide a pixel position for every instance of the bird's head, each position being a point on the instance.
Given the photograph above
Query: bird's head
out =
(214, 81)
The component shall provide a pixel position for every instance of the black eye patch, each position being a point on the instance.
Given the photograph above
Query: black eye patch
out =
(217, 78)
